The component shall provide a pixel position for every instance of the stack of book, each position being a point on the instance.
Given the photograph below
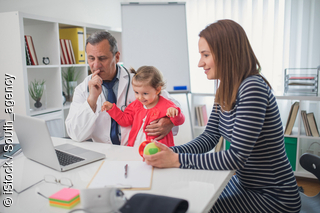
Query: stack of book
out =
(66, 52)
(65, 198)
(310, 124)
(31, 56)
(201, 115)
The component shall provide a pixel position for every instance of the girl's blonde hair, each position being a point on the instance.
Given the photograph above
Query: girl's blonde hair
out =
(148, 75)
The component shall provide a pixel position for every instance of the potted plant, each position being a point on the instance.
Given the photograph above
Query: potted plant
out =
(70, 77)
(36, 89)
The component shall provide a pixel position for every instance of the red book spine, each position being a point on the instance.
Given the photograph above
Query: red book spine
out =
(68, 51)
(64, 51)
(30, 46)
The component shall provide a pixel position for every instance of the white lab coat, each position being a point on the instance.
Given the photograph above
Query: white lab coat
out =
(82, 123)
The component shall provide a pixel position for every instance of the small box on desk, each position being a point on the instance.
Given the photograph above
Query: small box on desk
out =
(65, 198)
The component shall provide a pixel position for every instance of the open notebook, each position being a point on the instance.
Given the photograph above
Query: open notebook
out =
(112, 173)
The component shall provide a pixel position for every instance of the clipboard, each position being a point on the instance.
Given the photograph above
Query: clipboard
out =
(112, 173)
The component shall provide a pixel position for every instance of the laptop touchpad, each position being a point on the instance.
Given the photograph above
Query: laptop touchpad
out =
(77, 151)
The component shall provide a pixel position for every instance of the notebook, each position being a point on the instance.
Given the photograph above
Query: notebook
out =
(138, 175)
(36, 144)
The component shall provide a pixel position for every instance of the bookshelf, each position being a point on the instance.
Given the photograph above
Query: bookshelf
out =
(45, 35)
(296, 143)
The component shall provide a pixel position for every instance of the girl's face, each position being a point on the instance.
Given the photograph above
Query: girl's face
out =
(146, 94)
(207, 59)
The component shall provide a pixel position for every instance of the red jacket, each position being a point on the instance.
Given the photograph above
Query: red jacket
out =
(135, 113)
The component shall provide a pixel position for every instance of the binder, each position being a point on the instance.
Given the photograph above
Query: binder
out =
(76, 35)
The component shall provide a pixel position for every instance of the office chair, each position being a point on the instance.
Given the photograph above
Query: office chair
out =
(311, 163)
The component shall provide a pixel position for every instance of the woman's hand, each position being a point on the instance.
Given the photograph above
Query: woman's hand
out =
(166, 158)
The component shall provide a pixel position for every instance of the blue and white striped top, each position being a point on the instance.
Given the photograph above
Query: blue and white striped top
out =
(257, 152)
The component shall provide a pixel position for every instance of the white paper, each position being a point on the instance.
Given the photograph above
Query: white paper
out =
(112, 173)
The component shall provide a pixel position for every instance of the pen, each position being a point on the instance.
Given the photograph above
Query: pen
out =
(126, 171)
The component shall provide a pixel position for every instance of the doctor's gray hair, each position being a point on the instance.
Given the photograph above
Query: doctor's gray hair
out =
(99, 36)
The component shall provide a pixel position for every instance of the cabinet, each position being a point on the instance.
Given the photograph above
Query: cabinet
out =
(296, 144)
(45, 35)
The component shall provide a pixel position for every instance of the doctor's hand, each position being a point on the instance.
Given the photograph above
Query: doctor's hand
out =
(160, 127)
(95, 89)
(166, 158)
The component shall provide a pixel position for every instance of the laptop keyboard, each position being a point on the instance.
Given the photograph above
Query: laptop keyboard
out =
(67, 159)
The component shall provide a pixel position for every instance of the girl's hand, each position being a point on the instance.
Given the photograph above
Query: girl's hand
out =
(172, 112)
(106, 106)
(166, 158)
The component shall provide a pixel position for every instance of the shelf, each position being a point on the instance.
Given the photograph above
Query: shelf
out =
(45, 36)
(45, 111)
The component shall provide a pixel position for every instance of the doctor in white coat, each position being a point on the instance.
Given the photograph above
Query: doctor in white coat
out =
(85, 119)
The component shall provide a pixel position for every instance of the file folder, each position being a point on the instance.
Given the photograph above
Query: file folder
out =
(76, 35)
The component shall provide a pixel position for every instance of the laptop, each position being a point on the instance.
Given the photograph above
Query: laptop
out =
(36, 144)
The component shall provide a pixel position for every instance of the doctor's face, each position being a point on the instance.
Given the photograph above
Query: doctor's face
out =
(101, 59)
(207, 59)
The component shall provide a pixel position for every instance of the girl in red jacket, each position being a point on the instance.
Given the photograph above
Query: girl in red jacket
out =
(148, 106)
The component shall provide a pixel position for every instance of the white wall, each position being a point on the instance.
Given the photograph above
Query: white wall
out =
(100, 12)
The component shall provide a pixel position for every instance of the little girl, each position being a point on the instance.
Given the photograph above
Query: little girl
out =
(148, 106)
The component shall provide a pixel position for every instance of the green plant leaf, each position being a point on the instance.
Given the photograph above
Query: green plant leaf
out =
(36, 89)
(71, 74)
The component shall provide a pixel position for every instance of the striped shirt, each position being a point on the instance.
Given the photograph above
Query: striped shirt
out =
(257, 153)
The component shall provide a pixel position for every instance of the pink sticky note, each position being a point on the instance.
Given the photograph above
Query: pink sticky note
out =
(65, 194)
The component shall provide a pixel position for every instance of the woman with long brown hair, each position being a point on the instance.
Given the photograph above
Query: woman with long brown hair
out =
(246, 114)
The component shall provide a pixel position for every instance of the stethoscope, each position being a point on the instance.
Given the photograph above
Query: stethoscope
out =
(123, 107)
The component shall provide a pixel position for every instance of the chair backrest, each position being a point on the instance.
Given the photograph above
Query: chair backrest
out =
(311, 163)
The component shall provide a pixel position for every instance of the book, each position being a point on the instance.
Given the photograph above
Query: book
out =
(63, 61)
(197, 122)
(112, 173)
(28, 60)
(291, 118)
(305, 123)
(72, 52)
(313, 124)
(31, 49)
(68, 48)
(76, 35)
(204, 114)
(64, 51)
(199, 115)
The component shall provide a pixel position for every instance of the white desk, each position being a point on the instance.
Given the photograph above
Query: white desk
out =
(200, 188)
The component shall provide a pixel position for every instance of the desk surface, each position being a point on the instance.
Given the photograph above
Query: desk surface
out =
(200, 188)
